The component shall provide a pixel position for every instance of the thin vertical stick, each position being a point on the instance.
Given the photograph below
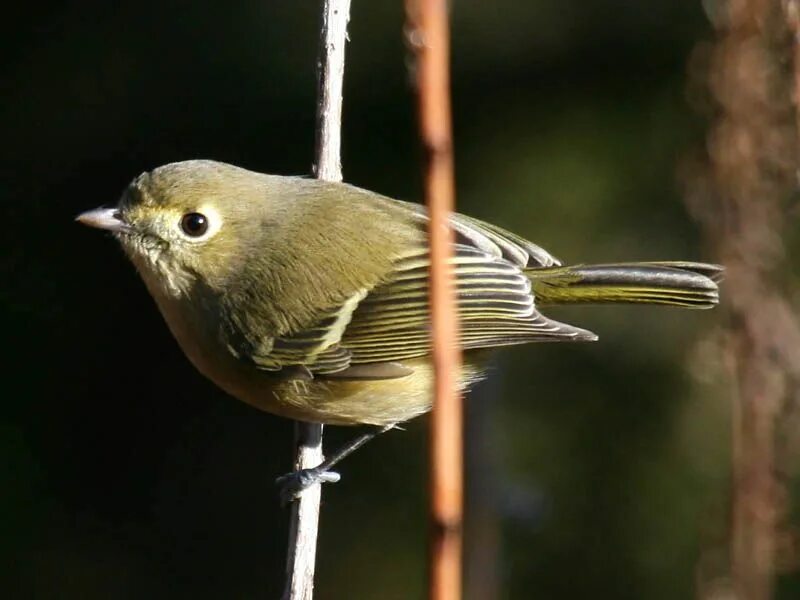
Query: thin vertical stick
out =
(304, 519)
(330, 78)
(428, 32)
(304, 522)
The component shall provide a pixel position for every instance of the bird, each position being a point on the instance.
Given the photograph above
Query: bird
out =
(308, 299)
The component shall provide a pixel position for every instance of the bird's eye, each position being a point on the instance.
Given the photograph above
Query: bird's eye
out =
(194, 224)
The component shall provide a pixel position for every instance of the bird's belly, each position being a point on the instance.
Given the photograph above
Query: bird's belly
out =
(349, 402)
(323, 400)
(356, 401)
(330, 400)
(333, 401)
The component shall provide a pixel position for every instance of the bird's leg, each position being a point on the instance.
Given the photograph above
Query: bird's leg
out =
(292, 484)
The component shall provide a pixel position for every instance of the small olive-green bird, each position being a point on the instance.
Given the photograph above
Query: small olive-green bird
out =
(309, 299)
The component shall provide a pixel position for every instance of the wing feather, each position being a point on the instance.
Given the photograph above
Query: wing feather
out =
(390, 323)
(494, 301)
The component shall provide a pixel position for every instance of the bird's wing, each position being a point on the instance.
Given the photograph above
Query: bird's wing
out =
(317, 348)
(491, 239)
(375, 330)
(494, 300)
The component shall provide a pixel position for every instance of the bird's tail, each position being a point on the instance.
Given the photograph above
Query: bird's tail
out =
(684, 284)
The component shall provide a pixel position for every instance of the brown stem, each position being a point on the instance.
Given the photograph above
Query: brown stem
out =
(428, 34)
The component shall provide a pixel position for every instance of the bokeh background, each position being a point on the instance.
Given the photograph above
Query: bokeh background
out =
(596, 471)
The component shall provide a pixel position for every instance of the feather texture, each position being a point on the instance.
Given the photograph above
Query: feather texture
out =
(689, 285)
(390, 323)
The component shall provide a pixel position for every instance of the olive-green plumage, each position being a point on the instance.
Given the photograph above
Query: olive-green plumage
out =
(309, 299)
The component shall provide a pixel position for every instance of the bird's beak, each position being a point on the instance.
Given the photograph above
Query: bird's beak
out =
(104, 218)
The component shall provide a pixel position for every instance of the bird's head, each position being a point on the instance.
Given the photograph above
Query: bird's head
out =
(189, 222)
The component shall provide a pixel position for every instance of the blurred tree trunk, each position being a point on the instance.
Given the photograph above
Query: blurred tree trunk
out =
(741, 194)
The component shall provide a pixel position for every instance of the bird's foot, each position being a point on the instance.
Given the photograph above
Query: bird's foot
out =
(295, 483)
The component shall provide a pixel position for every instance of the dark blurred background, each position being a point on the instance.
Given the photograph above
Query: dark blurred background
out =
(596, 471)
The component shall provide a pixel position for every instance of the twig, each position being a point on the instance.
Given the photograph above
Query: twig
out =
(428, 34)
(304, 520)
(330, 77)
(305, 511)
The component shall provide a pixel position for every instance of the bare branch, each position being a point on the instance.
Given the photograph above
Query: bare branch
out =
(333, 36)
(305, 511)
(304, 520)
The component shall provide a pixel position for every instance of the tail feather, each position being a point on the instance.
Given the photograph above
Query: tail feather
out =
(714, 272)
(684, 284)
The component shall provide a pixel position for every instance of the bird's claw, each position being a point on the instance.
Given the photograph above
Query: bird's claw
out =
(295, 483)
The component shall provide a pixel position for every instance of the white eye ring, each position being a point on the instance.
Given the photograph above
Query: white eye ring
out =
(199, 225)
